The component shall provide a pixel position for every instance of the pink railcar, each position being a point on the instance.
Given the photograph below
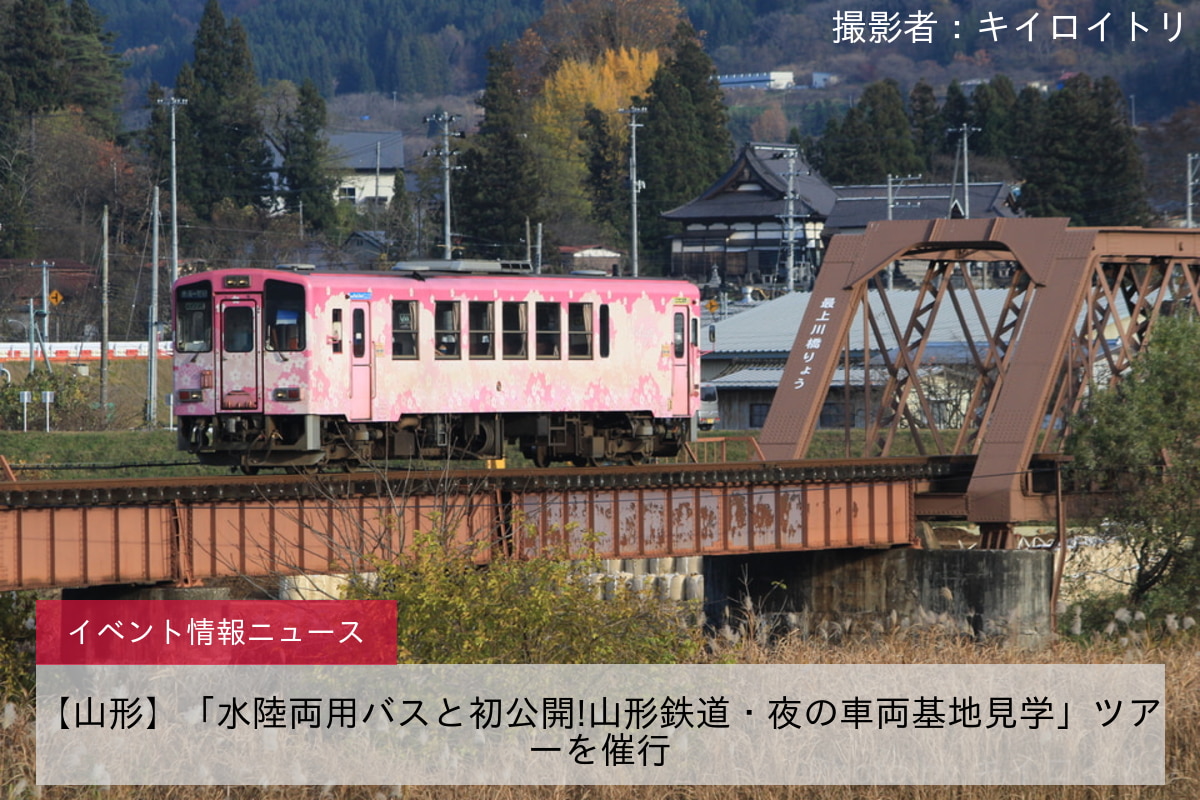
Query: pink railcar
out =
(299, 368)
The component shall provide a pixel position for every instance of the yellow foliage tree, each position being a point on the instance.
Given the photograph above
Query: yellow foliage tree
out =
(608, 84)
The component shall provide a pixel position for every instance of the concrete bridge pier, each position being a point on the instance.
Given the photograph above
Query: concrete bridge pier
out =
(1003, 594)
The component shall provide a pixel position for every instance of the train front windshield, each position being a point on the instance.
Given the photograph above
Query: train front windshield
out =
(194, 318)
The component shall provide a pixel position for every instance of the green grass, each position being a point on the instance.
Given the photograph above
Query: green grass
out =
(95, 453)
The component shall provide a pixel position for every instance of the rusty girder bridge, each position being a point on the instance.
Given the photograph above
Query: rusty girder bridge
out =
(1079, 305)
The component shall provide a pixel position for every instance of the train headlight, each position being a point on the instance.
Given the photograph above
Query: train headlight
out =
(288, 394)
(189, 395)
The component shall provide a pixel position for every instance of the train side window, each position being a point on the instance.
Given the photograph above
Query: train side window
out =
(483, 329)
(358, 333)
(680, 335)
(238, 329)
(549, 329)
(446, 328)
(335, 330)
(516, 330)
(404, 329)
(579, 330)
(283, 307)
(604, 346)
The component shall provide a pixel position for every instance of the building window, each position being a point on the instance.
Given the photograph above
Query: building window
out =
(347, 194)
(758, 414)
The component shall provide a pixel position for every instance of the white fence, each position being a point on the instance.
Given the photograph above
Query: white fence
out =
(82, 351)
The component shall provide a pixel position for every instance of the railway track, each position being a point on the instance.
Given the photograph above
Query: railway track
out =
(156, 491)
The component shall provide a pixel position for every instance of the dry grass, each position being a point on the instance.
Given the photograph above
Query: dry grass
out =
(1180, 654)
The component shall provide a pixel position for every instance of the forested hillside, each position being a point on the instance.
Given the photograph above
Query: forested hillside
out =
(435, 47)
(405, 46)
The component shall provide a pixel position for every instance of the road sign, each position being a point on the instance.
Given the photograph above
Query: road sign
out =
(56, 297)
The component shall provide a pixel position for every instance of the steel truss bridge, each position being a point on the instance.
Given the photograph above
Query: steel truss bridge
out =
(1079, 306)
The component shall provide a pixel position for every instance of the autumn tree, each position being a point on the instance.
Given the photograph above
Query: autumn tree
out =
(685, 145)
(559, 118)
(584, 30)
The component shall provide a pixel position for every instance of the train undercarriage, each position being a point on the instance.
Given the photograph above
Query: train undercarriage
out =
(303, 443)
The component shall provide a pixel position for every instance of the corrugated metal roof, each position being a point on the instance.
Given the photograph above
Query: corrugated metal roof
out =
(857, 206)
(769, 378)
(358, 151)
(772, 326)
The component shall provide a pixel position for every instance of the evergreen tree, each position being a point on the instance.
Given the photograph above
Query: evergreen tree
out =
(990, 110)
(304, 151)
(497, 191)
(93, 69)
(925, 118)
(955, 114)
(227, 155)
(874, 140)
(33, 56)
(400, 222)
(685, 144)
(1085, 163)
(606, 162)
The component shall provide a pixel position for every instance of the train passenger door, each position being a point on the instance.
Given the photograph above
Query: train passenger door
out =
(681, 373)
(240, 380)
(360, 361)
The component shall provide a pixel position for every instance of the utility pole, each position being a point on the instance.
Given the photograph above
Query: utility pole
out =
(173, 104)
(965, 130)
(789, 220)
(635, 185)
(444, 152)
(152, 324)
(45, 267)
(1193, 162)
(104, 314)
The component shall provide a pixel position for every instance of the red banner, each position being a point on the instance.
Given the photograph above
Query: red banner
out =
(201, 632)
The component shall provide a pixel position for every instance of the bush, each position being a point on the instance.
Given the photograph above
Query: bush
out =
(16, 644)
(546, 610)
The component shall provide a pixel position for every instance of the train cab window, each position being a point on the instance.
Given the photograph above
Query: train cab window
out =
(516, 330)
(237, 334)
(446, 329)
(680, 335)
(283, 307)
(483, 329)
(358, 332)
(604, 345)
(193, 318)
(404, 329)
(549, 330)
(579, 330)
(335, 330)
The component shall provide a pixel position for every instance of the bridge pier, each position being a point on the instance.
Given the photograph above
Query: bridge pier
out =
(987, 593)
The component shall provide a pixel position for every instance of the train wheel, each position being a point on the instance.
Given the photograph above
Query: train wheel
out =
(541, 456)
(248, 469)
